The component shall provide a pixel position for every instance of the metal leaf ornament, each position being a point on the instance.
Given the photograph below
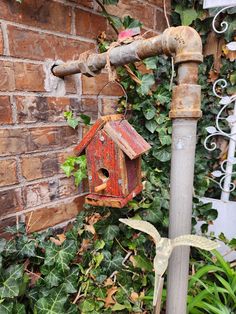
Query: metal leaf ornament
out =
(164, 247)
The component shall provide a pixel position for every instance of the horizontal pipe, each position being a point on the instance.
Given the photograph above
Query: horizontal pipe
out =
(183, 43)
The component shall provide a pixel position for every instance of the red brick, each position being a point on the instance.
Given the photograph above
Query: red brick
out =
(7, 82)
(33, 109)
(67, 188)
(87, 106)
(134, 8)
(161, 23)
(160, 3)
(8, 173)
(99, 85)
(1, 41)
(10, 202)
(37, 167)
(84, 3)
(16, 141)
(13, 141)
(88, 24)
(29, 77)
(5, 110)
(39, 46)
(45, 14)
(109, 106)
(55, 214)
(40, 193)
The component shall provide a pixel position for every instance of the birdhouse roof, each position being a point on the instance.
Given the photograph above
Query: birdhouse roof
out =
(121, 132)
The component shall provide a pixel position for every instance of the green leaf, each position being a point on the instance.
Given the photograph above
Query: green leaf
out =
(143, 263)
(151, 63)
(118, 307)
(110, 232)
(187, 16)
(165, 139)
(19, 308)
(60, 256)
(151, 125)
(6, 307)
(86, 119)
(71, 281)
(73, 123)
(2, 245)
(87, 306)
(53, 303)
(162, 155)
(110, 262)
(53, 276)
(10, 281)
(129, 22)
(110, 1)
(25, 246)
(149, 111)
(146, 83)
(67, 169)
(79, 175)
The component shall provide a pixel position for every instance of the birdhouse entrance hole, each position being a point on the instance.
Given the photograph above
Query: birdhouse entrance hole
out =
(103, 174)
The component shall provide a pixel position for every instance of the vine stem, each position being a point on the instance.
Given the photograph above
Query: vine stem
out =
(107, 16)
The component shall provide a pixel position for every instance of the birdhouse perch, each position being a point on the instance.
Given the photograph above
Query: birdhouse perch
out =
(113, 150)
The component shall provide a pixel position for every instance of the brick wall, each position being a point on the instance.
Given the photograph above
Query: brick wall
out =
(34, 137)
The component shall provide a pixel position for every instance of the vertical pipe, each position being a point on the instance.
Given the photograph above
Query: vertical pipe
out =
(229, 166)
(182, 171)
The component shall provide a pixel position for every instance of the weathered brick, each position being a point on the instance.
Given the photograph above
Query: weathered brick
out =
(88, 24)
(29, 77)
(8, 174)
(84, 3)
(161, 23)
(7, 82)
(109, 106)
(16, 141)
(134, 8)
(33, 109)
(39, 46)
(10, 202)
(45, 14)
(99, 85)
(5, 110)
(1, 41)
(37, 167)
(87, 106)
(39, 193)
(13, 141)
(160, 3)
(66, 188)
(49, 216)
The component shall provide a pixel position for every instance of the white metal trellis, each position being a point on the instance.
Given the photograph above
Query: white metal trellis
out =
(226, 219)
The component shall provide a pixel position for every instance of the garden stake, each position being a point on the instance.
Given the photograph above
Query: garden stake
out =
(184, 44)
(164, 248)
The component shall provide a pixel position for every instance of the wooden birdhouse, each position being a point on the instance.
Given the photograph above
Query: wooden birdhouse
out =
(113, 150)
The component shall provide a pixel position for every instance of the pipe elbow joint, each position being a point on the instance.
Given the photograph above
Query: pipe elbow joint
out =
(183, 43)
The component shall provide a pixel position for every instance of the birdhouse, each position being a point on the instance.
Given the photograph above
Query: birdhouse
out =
(113, 150)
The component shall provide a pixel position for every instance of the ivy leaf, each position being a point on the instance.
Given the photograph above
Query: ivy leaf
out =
(19, 308)
(86, 119)
(143, 263)
(60, 256)
(110, 262)
(187, 16)
(53, 303)
(67, 169)
(149, 111)
(129, 22)
(146, 83)
(25, 247)
(71, 281)
(73, 123)
(79, 175)
(162, 155)
(110, 232)
(118, 307)
(53, 276)
(10, 281)
(110, 2)
(6, 307)
(151, 125)
(151, 63)
(2, 245)
(87, 305)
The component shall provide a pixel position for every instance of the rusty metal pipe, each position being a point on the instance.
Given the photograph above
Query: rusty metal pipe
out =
(184, 44)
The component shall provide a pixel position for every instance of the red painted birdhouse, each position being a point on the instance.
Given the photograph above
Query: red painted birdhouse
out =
(113, 150)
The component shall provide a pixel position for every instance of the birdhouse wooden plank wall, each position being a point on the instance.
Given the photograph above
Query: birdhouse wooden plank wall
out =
(113, 150)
